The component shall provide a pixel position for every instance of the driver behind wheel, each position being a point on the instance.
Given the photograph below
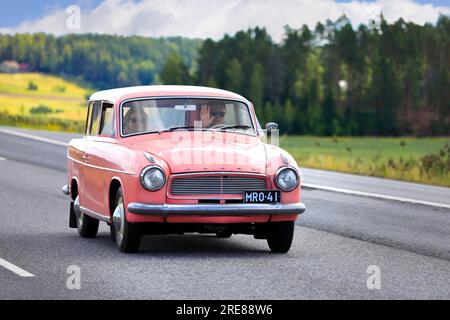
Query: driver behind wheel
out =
(212, 114)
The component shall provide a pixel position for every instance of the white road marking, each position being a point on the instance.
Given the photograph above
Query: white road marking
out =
(2, 159)
(375, 195)
(15, 269)
(32, 137)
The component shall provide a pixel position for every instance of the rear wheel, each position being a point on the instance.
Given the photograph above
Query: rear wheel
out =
(87, 226)
(280, 236)
(126, 235)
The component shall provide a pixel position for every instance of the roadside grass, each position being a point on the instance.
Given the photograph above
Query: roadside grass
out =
(422, 160)
(42, 123)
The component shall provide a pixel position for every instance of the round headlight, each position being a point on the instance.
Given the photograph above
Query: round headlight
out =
(287, 179)
(152, 178)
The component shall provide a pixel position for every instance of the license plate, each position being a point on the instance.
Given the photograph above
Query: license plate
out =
(272, 196)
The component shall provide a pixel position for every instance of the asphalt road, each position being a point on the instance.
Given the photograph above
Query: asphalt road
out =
(336, 240)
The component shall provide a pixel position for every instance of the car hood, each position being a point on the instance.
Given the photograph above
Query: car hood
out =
(207, 151)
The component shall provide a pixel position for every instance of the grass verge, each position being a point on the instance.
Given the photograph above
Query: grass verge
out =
(422, 160)
(41, 123)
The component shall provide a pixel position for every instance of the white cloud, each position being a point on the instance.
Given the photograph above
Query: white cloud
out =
(214, 18)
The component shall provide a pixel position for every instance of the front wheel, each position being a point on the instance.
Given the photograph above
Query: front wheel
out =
(280, 236)
(126, 235)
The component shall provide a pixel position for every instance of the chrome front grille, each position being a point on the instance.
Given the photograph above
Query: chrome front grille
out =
(215, 185)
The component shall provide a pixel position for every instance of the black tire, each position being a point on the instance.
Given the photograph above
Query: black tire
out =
(224, 234)
(87, 226)
(280, 236)
(112, 233)
(128, 237)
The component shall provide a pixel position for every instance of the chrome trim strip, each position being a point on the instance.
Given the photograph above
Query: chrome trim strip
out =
(216, 185)
(94, 214)
(216, 209)
(218, 173)
(101, 168)
(212, 174)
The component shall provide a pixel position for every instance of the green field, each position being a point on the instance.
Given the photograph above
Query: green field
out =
(424, 160)
(65, 100)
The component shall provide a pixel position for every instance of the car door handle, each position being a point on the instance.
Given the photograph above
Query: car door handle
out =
(85, 157)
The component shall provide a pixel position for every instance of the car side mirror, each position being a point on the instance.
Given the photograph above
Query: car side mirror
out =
(271, 126)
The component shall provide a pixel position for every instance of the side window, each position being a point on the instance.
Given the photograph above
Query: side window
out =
(107, 121)
(95, 122)
(88, 119)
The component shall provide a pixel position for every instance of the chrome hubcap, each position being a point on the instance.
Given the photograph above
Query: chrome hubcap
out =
(118, 221)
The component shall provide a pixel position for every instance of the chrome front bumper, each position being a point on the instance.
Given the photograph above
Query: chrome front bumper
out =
(216, 209)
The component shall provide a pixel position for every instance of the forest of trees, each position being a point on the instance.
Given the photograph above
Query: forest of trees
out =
(102, 61)
(388, 79)
(381, 79)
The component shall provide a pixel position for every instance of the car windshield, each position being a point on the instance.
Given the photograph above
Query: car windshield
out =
(161, 115)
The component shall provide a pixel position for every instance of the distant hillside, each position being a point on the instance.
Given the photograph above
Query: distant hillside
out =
(42, 96)
(104, 61)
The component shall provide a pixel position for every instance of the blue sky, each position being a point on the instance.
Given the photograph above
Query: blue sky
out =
(204, 18)
(13, 12)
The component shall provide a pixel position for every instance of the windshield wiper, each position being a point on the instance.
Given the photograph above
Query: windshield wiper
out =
(243, 127)
(176, 128)
(236, 126)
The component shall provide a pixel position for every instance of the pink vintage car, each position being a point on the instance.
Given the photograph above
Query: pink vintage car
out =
(180, 159)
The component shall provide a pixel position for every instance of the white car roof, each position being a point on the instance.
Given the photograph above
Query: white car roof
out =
(114, 95)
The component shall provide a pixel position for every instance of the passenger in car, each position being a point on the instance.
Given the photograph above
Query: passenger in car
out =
(135, 121)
